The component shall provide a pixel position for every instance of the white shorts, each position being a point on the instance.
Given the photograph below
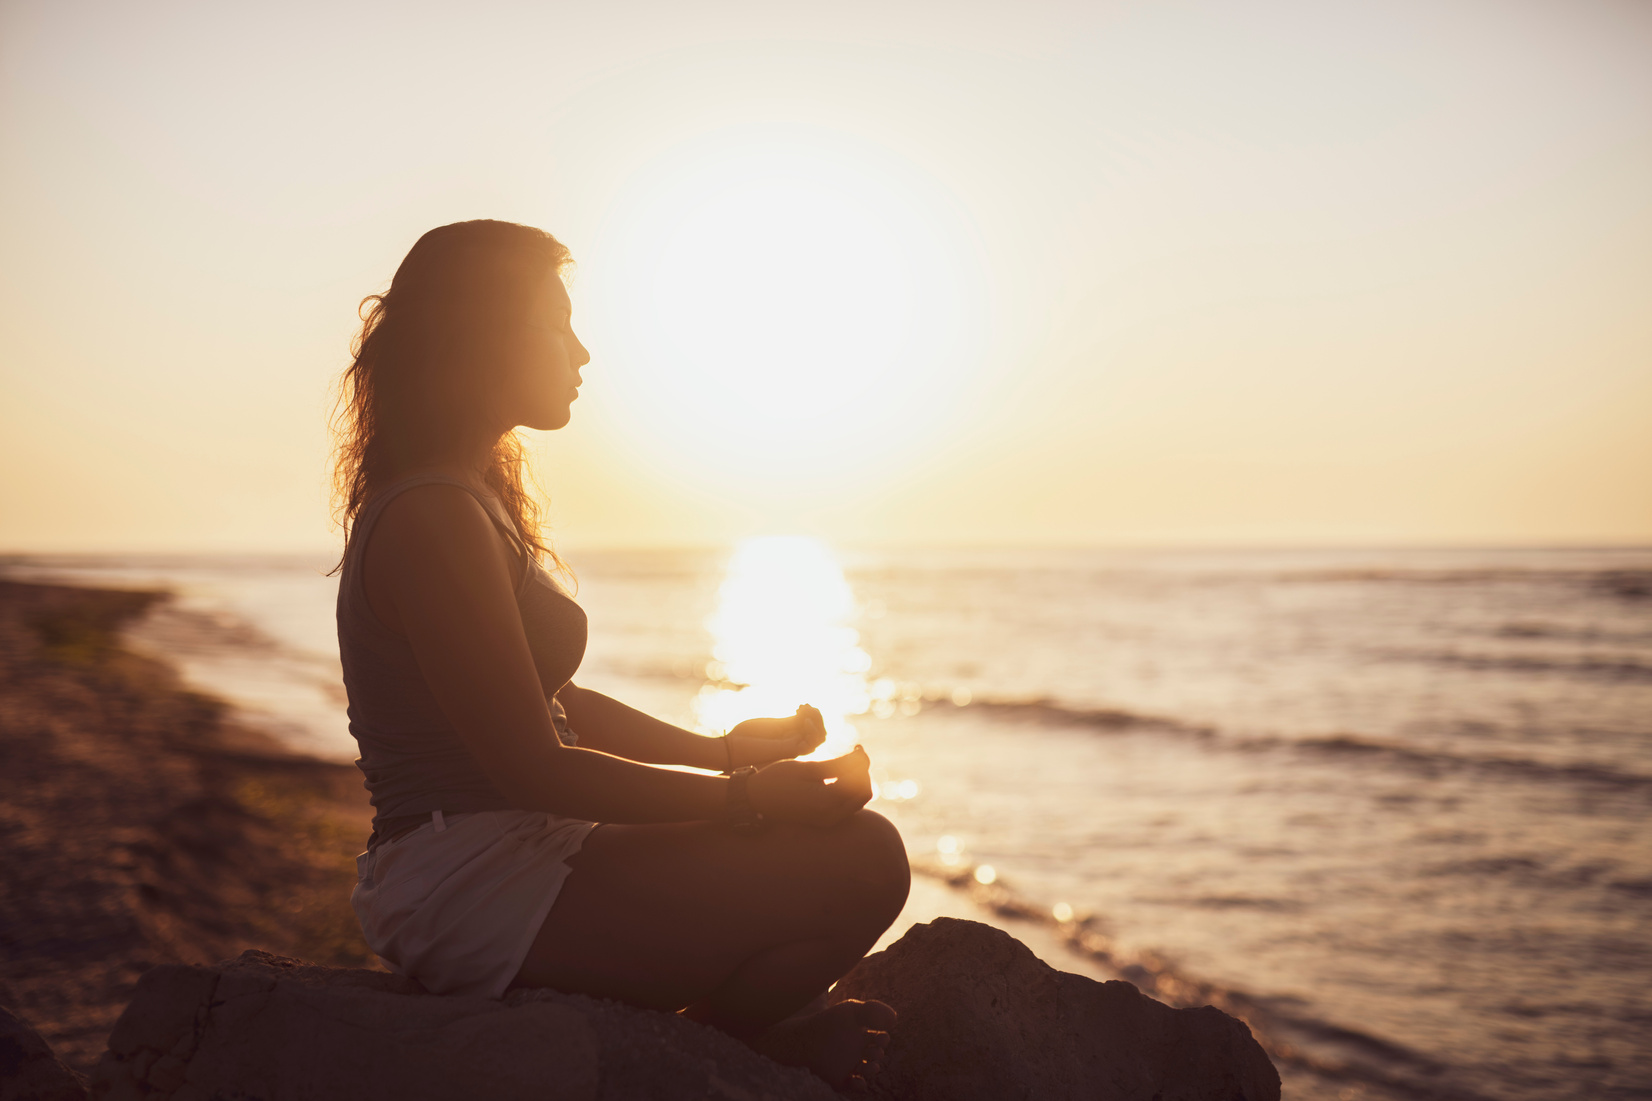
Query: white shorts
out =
(458, 907)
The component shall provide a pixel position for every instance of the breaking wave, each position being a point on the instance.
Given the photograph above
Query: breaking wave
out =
(1052, 712)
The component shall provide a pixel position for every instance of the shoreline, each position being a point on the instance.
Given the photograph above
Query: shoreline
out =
(143, 825)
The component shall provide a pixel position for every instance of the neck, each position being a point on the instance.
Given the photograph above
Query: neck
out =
(469, 461)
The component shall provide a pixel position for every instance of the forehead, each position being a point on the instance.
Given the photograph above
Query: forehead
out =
(552, 297)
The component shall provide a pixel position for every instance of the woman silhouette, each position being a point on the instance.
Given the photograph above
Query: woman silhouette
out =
(737, 899)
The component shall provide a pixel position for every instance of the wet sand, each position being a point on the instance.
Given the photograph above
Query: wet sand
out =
(140, 825)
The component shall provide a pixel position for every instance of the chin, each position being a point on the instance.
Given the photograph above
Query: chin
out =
(551, 421)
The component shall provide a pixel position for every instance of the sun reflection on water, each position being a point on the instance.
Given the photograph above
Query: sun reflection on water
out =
(781, 637)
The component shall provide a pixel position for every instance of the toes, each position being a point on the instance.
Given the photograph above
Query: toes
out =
(875, 1015)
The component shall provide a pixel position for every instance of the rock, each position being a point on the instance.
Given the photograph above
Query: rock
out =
(28, 1069)
(267, 1028)
(981, 1017)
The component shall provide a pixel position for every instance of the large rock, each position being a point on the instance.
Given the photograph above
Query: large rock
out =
(266, 1028)
(28, 1069)
(982, 1018)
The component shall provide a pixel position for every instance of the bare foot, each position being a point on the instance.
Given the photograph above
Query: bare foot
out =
(843, 1043)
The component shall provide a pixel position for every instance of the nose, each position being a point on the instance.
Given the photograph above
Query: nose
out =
(581, 356)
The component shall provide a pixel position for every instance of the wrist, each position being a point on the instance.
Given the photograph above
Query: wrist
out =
(742, 814)
(712, 753)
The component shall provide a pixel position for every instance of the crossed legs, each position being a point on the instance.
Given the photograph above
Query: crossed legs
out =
(742, 932)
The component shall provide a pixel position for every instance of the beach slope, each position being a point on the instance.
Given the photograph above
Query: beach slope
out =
(141, 826)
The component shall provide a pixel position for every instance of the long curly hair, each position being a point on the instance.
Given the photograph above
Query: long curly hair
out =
(416, 388)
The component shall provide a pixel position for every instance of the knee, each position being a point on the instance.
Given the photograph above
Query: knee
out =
(880, 861)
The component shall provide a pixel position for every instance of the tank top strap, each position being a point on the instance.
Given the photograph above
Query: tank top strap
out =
(362, 529)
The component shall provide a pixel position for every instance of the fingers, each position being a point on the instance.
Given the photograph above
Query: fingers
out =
(856, 786)
(800, 791)
(817, 803)
(849, 773)
(855, 758)
(810, 728)
(853, 787)
(852, 773)
(792, 736)
(852, 764)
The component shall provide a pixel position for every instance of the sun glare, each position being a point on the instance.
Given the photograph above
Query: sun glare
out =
(781, 638)
(784, 306)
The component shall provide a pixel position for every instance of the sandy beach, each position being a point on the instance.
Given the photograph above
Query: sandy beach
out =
(141, 825)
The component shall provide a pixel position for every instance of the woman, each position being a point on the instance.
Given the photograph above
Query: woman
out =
(737, 899)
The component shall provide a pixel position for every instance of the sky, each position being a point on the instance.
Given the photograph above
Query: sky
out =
(1172, 273)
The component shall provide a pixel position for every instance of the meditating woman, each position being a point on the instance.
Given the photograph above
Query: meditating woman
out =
(523, 836)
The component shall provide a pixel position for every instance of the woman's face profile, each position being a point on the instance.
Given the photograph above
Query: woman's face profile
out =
(540, 376)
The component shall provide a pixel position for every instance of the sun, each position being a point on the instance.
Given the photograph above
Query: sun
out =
(781, 637)
(779, 306)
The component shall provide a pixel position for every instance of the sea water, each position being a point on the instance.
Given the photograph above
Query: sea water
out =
(1395, 802)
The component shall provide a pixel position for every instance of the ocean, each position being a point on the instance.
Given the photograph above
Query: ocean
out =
(1391, 806)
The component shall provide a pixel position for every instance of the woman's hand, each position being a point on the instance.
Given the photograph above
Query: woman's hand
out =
(759, 741)
(798, 791)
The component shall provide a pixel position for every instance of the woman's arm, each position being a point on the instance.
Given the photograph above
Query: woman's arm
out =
(604, 723)
(437, 558)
